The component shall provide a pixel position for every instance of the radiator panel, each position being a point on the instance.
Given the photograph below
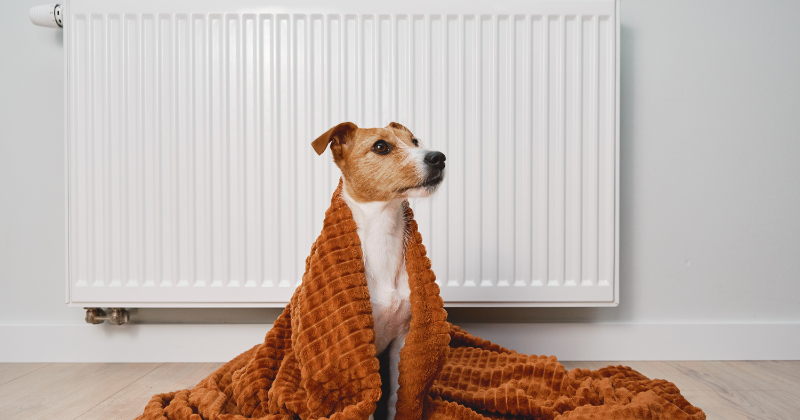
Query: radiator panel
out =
(191, 180)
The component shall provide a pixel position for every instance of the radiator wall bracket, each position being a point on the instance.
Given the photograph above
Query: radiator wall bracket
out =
(116, 316)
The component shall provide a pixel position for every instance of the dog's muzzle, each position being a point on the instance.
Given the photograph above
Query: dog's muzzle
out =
(435, 162)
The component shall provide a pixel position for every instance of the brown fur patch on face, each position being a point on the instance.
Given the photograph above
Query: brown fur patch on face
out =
(404, 133)
(372, 177)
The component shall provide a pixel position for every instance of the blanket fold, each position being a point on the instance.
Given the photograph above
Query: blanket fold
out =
(318, 361)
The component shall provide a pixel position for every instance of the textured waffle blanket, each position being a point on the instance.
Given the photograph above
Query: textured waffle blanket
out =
(319, 362)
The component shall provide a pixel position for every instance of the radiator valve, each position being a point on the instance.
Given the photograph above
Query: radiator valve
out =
(48, 16)
(116, 316)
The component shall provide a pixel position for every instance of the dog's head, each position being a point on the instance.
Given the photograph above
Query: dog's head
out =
(382, 164)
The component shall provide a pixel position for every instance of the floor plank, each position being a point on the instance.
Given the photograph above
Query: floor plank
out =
(788, 402)
(682, 378)
(782, 375)
(755, 378)
(12, 371)
(735, 405)
(715, 407)
(65, 391)
(646, 369)
(724, 390)
(131, 400)
(723, 376)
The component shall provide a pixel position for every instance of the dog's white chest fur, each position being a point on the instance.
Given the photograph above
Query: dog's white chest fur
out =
(382, 228)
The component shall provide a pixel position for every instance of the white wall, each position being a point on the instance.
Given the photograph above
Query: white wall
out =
(710, 189)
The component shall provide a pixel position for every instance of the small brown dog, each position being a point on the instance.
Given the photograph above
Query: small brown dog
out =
(381, 168)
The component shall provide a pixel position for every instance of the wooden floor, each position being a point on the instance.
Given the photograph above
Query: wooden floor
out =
(724, 390)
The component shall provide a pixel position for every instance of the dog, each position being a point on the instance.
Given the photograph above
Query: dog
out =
(381, 168)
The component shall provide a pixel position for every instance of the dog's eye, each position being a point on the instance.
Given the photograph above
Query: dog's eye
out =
(416, 142)
(381, 147)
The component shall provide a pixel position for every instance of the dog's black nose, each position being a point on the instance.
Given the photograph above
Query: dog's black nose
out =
(435, 159)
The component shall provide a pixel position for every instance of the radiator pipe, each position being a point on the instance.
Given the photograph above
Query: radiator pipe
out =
(116, 316)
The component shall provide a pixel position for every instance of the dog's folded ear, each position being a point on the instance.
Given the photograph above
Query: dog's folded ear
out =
(398, 126)
(338, 135)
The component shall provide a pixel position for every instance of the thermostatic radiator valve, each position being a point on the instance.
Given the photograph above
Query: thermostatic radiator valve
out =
(48, 15)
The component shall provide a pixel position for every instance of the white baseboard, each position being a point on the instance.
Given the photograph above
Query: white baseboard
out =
(221, 342)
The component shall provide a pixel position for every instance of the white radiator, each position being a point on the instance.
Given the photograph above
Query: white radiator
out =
(191, 180)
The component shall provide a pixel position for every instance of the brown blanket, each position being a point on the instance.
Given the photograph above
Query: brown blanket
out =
(318, 360)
